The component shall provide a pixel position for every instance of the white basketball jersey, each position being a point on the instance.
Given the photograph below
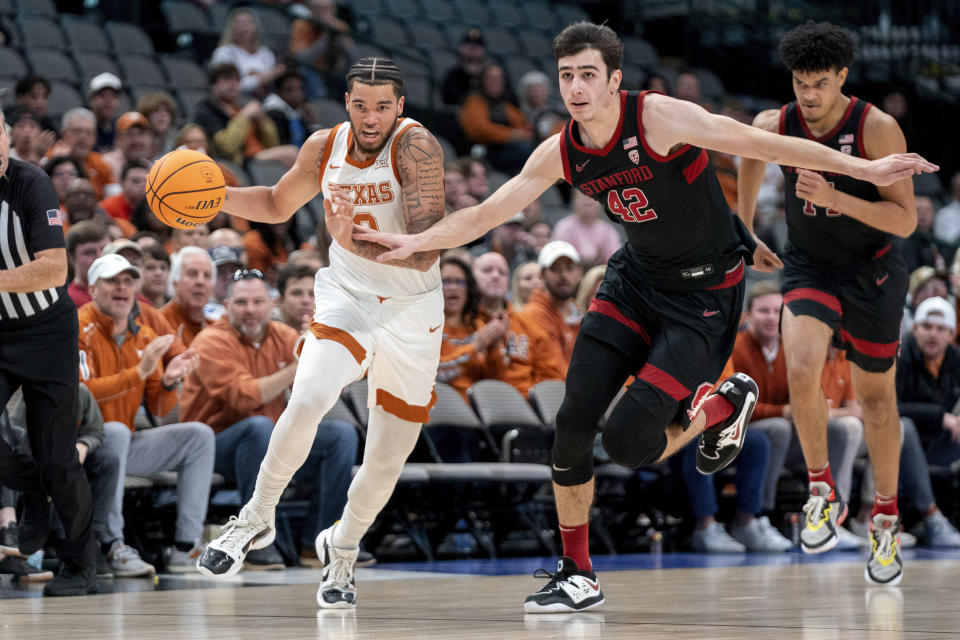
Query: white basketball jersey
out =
(375, 186)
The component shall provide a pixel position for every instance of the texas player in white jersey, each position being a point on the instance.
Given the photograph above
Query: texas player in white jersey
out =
(386, 172)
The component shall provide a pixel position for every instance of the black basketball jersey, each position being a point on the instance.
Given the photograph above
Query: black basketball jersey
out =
(681, 233)
(824, 235)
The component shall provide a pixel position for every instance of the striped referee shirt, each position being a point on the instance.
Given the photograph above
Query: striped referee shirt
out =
(30, 221)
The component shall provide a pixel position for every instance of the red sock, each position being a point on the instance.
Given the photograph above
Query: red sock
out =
(821, 475)
(887, 505)
(576, 545)
(716, 409)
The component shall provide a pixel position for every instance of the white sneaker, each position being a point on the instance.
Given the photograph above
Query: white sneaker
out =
(848, 541)
(760, 535)
(939, 531)
(338, 588)
(715, 539)
(224, 556)
(125, 561)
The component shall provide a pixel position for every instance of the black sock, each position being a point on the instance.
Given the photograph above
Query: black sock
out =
(183, 546)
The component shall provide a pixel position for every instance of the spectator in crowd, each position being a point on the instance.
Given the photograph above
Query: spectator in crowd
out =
(230, 238)
(551, 307)
(192, 237)
(464, 78)
(687, 87)
(455, 192)
(32, 93)
(468, 351)
(227, 260)
(323, 48)
(78, 134)
(540, 235)
(289, 109)
(758, 352)
(134, 138)
(240, 46)
(656, 82)
(308, 257)
(80, 203)
(525, 279)
(133, 182)
(488, 117)
(161, 111)
(156, 272)
(62, 171)
(120, 363)
(534, 99)
(295, 304)
(594, 238)
(921, 248)
(268, 247)
(925, 282)
(238, 133)
(511, 241)
(27, 139)
(192, 277)
(749, 531)
(527, 353)
(946, 227)
(477, 174)
(588, 287)
(103, 98)
(247, 365)
(85, 243)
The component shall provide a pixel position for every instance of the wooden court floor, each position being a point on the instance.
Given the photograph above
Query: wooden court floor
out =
(808, 601)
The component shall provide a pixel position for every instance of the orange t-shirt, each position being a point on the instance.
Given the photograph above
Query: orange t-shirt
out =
(528, 355)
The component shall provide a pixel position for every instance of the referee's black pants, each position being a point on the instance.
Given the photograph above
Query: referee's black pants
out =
(43, 359)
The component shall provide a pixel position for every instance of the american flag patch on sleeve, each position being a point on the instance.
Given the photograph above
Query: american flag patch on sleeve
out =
(846, 139)
(55, 217)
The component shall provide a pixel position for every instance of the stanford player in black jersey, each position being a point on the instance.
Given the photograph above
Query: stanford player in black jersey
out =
(841, 282)
(668, 309)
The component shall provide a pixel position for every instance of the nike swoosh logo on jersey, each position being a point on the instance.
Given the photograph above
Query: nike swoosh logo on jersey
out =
(710, 314)
(335, 166)
(880, 281)
(556, 468)
(435, 328)
(581, 165)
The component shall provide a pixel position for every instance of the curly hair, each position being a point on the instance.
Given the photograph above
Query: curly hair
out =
(817, 46)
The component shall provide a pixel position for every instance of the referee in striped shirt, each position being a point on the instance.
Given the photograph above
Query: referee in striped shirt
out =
(39, 352)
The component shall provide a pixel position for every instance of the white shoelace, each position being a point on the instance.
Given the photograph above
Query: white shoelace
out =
(341, 571)
(814, 508)
(236, 533)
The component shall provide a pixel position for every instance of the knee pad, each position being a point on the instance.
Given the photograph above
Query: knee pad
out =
(573, 442)
(634, 434)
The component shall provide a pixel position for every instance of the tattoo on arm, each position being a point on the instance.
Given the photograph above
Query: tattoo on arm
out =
(420, 167)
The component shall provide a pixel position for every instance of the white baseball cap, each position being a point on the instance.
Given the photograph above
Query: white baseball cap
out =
(553, 251)
(936, 311)
(105, 80)
(108, 266)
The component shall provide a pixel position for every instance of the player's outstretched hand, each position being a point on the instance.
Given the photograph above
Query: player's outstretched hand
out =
(338, 215)
(764, 259)
(895, 167)
(401, 246)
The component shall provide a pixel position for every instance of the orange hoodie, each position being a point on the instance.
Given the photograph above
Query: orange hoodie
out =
(223, 389)
(109, 370)
(771, 378)
(528, 354)
(540, 311)
(181, 323)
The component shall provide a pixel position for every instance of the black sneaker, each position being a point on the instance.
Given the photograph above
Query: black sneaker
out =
(569, 590)
(23, 571)
(34, 523)
(721, 443)
(8, 540)
(72, 581)
(264, 559)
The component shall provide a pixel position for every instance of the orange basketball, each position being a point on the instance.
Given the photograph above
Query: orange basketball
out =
(185, 189)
